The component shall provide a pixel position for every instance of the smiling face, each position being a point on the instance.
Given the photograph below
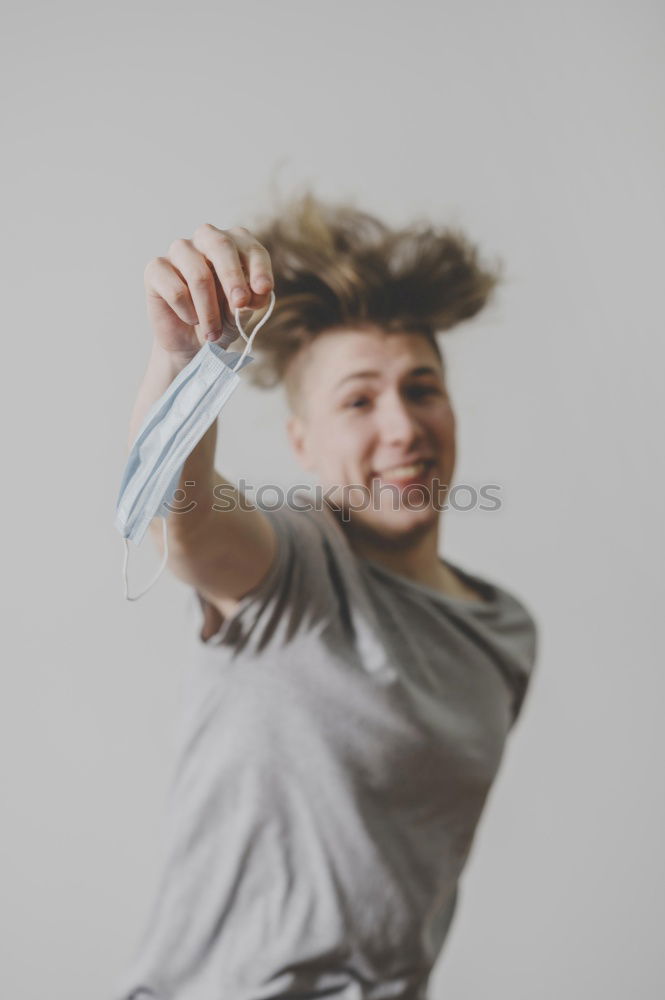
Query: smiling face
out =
(373, 412)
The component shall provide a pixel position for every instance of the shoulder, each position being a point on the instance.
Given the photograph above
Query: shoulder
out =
(311, 564)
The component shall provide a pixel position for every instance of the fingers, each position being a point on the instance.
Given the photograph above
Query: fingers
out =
(201, 283)
(241, 263)
(162, 280)
(206, 278)
(256, 261)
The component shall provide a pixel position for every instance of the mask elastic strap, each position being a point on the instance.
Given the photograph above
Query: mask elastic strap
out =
(254, 331)
(157, 574)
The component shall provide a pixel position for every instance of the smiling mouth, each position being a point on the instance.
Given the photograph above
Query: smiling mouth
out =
(413, 472)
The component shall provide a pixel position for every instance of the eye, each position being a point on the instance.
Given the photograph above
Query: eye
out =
(418, 391)
(357, 403)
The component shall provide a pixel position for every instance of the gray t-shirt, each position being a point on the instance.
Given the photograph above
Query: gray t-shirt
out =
(339, 735)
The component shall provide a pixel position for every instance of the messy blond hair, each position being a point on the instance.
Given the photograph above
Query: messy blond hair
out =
(338, 266)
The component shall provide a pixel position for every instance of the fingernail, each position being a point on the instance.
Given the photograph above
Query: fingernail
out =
(237, 295)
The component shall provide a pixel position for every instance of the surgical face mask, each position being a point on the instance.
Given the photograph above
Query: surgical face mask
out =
(171, 430)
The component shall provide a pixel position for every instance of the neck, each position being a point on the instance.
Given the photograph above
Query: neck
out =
(415, 556)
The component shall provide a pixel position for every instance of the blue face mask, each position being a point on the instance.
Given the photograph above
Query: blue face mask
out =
(171, 430)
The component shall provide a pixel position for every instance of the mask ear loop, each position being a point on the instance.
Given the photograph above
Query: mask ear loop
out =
(135, 597)
(254, 332)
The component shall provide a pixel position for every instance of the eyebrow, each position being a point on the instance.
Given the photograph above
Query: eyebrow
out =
(420, 370)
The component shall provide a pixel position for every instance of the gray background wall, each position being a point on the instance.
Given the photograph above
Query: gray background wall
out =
(534, 126)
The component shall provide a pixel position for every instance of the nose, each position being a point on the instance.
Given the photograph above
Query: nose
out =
(398, 424)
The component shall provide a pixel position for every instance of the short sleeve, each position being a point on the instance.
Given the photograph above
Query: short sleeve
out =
(525, 644)
(297, 593)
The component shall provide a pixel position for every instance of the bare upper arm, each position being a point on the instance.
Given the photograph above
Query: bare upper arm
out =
(226, 556)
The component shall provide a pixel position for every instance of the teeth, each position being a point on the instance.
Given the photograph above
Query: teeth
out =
(403, 471)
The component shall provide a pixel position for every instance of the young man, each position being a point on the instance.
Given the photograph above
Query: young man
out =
(350, 690)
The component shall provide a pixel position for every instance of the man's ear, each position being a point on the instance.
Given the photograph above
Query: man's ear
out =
(297, 436)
